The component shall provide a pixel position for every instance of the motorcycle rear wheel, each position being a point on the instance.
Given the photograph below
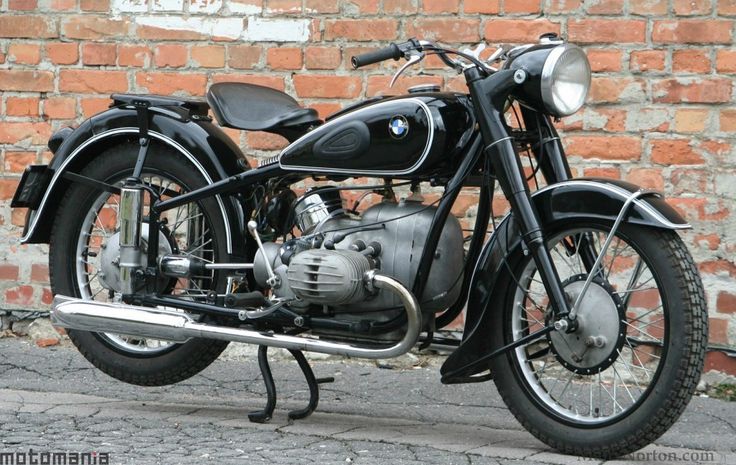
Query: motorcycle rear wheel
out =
(82, 245)
(618, 385)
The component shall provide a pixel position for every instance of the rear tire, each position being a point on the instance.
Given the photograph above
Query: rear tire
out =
(169, 363)
(600, 432)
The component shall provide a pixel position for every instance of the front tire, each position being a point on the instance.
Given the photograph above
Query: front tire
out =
(80, 255)
(631, 380)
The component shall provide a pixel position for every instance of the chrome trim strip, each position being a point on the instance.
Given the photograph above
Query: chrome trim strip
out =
(329, 125)
(112, 132)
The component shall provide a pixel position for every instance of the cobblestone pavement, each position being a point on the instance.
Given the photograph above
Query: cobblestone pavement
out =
(52, 400)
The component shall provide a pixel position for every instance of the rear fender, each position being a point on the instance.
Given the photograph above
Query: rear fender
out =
(207, 147)
(582, 198)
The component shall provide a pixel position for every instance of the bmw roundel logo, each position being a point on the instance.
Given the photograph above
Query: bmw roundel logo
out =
(398, 127)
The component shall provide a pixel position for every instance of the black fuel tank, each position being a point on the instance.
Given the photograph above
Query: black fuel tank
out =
(408, 136)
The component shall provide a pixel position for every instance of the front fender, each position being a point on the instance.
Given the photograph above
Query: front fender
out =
(209, 149)
(582, 198)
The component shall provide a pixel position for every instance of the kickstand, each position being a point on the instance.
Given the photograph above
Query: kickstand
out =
(262, 416)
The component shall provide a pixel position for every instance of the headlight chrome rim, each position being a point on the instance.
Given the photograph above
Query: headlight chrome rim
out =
(547, 82)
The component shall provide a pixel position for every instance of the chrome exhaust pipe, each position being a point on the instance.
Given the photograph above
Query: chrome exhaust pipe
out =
(172, 325)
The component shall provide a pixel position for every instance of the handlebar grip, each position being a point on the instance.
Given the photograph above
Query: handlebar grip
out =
(391, 52)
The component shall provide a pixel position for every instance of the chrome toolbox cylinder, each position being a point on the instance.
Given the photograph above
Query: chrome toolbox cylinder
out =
(130, 216)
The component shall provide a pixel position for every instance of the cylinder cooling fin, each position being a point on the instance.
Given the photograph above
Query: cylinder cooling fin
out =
(329, 277)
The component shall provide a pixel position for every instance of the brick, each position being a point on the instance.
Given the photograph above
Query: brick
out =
(95, 54)
(604, 60)
(171, 83)
(8, 272)
(333, 6)
(26, 80)
(605, 7)
(275, 82)
(275, 30)
(244, 56)
(726, 302)
(93, 105)
(450, 30)
(284, 58)
(28, 26)
(265, 141)
(94, 5)
(711, 241)
(621, 148)
(481, 6)
(598, 172)
(718, 331)
(327, 86)
(647, 60)
(563, 6)
(521, 6)
(518, 30)
(726, 7)
(16, 162)
(606, 31)
(701, 90)
(674, 152)
(326, 108)
(378, 85)
(60, 107)
(691, 61)
(691, 7)
(23, 53)
(648, 119)
(407, 6)
(63, 5)
(39, 273)
(21, 106)
(322, 57)
(648, 7)
(440, 6)
(692, 31)
(19, 295)
(691, 119)
(22, 5)
(93, 27)
(361, 29)
(92, 81)
(208, 56)
(283, 7)
(616, 90)
(205, 6)
(727, 120)
(15, 132)
(138, 56)
(650, 178)
(719, 361)
(170, 56)
(62, 53)
(364, 6)
(726, 61)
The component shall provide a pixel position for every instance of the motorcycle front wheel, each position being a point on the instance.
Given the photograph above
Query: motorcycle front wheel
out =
(84, 250)
(625, 375)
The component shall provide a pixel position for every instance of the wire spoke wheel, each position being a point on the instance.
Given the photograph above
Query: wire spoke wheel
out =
(628, 369)
(84, 259)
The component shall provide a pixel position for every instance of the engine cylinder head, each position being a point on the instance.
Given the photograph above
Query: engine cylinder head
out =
(329, 277)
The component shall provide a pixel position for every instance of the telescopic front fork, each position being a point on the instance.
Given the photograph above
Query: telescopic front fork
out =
(489, 96)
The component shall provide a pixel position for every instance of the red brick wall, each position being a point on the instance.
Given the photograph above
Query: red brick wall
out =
(662, 111)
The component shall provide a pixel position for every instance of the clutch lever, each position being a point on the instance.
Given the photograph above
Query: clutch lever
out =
(413, 57)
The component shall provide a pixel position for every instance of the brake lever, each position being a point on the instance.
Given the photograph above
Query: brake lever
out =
(414, 58)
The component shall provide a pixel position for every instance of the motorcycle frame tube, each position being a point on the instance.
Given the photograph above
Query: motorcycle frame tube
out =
(489, 96)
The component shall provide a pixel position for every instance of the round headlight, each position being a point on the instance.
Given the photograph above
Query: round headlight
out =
(565, 80)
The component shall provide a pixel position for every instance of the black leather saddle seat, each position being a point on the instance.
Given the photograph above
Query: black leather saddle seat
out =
(257, 108)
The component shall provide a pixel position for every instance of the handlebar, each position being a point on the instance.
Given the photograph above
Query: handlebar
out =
(393, 51)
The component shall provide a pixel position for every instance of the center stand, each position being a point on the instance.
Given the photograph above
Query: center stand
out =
(262, 416)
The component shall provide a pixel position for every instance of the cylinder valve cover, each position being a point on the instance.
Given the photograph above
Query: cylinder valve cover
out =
(329, 277)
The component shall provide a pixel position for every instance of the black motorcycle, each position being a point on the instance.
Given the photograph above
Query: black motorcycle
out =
(584, 306)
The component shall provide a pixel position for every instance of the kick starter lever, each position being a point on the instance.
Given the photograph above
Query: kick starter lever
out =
(273, 281)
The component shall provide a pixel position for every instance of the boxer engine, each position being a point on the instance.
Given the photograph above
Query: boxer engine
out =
(324, 269)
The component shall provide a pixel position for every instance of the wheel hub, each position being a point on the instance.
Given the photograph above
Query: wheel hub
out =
(110, 257)
(596, 342)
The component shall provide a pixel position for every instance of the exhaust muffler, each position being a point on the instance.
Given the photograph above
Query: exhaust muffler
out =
(176, 326)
